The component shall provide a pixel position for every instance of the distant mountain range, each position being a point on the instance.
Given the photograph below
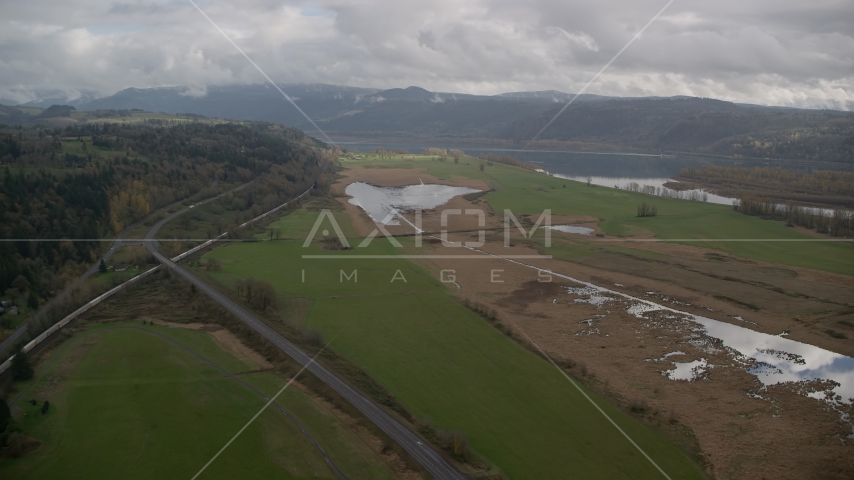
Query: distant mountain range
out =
(336, 108)
(592, 122)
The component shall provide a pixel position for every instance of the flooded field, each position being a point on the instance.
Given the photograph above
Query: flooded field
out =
(652, 185)
(773, 359)
(381, 202)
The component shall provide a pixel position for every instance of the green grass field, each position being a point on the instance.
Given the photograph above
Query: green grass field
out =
(444, 362)
(526, 192)
(297, 224)
(137, 406)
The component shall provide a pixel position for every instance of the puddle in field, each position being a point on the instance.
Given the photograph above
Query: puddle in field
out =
(572, 229)
(773, 359)
(779, 359)
(688, 370)
(639, 309)
(381, 202)
(593, 297)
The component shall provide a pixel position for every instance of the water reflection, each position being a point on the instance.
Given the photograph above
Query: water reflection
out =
(779, 359)
(572, 229)
(381, 202)
(773, 359)
(625, 182)
(689, 371)
(776, 359)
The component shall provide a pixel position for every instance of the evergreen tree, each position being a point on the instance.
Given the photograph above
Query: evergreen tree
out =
(21, 367)
(5, 414)
(102, 268)
(32, 301)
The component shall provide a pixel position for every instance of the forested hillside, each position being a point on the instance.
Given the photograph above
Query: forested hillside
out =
(699, 126)
(820, 187)
(92, 180)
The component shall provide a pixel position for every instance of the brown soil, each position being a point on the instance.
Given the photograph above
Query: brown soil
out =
(782, 434)
(774, 297)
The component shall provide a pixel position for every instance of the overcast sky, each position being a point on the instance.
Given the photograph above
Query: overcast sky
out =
(773, 52)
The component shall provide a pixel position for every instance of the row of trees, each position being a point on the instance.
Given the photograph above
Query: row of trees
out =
(491, 158)
(819, 186)
(258, 293)
(383, 152)
(485, 158)
(693, 195)
(444, 155)
(813, 137)
(837, 223)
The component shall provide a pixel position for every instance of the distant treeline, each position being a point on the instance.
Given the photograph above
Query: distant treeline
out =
(839, 223)
(491, 157)
(114, 113)
(488, 158)
(821, 187)
(383, 152)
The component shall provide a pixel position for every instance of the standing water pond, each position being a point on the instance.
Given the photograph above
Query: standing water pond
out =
(381, 203)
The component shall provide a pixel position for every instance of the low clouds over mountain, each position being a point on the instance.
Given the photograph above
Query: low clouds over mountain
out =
(768, 52)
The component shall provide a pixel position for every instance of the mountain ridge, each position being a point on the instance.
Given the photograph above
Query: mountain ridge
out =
(640, 124)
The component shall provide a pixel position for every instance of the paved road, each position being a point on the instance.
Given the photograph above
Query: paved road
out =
(196, 354)
(149, 239)
(9, 341)
(432, 461)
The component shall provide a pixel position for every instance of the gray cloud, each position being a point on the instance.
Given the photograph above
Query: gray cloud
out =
(780, 52)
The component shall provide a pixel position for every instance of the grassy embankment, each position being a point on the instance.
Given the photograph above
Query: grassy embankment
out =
(126, 403)
(445, 363)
